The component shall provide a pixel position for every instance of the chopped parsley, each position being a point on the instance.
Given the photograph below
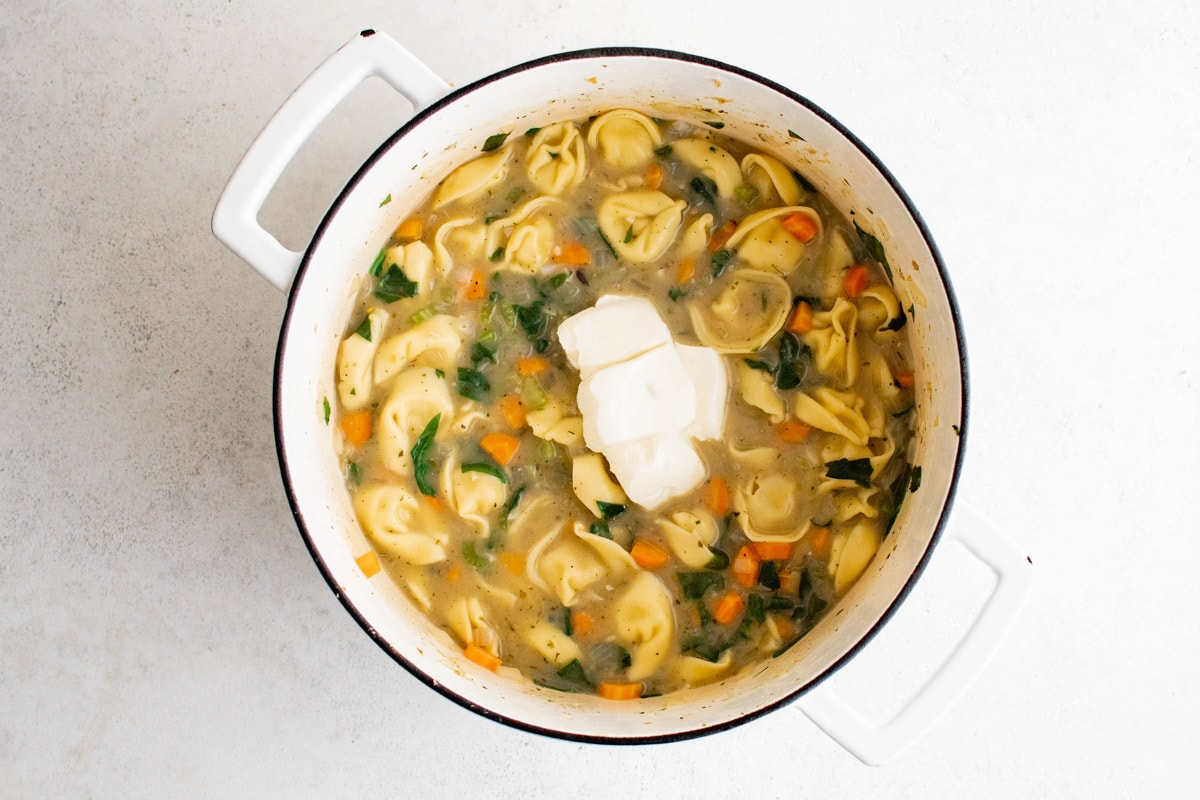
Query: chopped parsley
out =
(795, 135)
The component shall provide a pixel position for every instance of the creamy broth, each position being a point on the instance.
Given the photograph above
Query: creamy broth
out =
(466, 449)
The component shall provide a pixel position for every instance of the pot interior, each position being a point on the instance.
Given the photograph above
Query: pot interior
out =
(407, 168)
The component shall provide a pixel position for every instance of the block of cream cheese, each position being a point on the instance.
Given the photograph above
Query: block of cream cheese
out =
(657, 468)
(711, 379)
(644, 396)
(614, 330)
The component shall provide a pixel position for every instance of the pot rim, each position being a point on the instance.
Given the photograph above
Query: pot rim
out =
(285, 330)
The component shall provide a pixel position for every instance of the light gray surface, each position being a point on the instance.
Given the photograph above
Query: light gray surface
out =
(163, 631)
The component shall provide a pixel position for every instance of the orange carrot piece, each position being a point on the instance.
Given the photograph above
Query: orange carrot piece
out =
(820, 542)
(729, 607)
(476, 286)
(784, 626)
(513, 562)
(721, 236)
(801, 320)
(716, 496)
(772, 551)
(513, 411)
(855, 281)
(654, 176)
(572, 254)
(789, 581)
(792, 432)
(745, 566)
(582, 623)
(648, 554)
(800, 225)
(368, 562)
(410, 229)
(685, 270)
(434, 501)
(482, 657)
(906, 379)
(534, 365)
(500, 446)
(453, 573)
(620, 690)
(357, 427)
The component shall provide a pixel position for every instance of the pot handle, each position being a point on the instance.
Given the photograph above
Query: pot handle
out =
(235, 220)
(875, 744)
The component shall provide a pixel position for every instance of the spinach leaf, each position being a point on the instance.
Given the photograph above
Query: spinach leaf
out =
(915, 483)
(760, 365)
(481, 352)
(609, 510)
(706, 187)
(494, 142)
(664, 151)
(792, 366)
(423, 470)
(486, 469)
(600, 528)
(695, 584)
(559, 279)
(858, 470)
(326, 408)
(875, 248)
(364, 329)
(377, 265)
(714, 124)
(575, 673)
(395, 285)
(768, 575)
(720, 559)
(496, 537)
(532, 318)
(720, 260)
(472, 384)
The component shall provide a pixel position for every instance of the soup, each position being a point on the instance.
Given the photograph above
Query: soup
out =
(625, 405)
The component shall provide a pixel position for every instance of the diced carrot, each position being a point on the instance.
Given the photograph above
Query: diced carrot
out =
(582, 623)
(534, 365)
(789, 581)
(513, 562)
(855, 281)
(801, 320)
(800, 225)
(410, 229)
(820, 542)
(453, 573)
(357, 427)
(433, 500)
(654, 176)
(513, 410)
(784, 626)
(620, 690)
(685, 270)
(729, 607)
(648, 554)
(368, 562)
(772, 551)
(906, 379)
(476, 287)
(572, 254)
(482, 657)
(500, 446)
(745, 566)
(792, 432)
(716, 496)
(721, 236)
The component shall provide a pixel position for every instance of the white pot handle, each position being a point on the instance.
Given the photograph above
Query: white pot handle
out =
(235, 221)
(876, 744)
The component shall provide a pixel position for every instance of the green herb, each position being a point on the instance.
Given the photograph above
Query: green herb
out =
(768, 575)
(496, 536)
(364, 329)
(760, 365)
(915, 482)
(423, 470)
(472, 384)
(745, 194)
(395, 285)
(473, 558)
(532, 132)
(779, 604)
(441, 373)
(422, 315)
(957, 430)
(377, 264)
(875, 248)
(720, 260)
(480, 352)
(531, 318)
(894, 499)
(755, 614)
(705, 187)
(898, 323)
(574, 672)
(490, 219)
(714, 124)
(858, 470)
(800, 179)
(559, 279)
(664, 151)
(600, 528)
(720, 559)
(494, 141)
(567, 627)
(795, 135)
(792, 366)
(911, 311)
(325, 405)
(552, 154)
(676, 293)
(609, 510)
(385, 201)
(515, 194)
(497, 254)
(354, 472)
(695, 584)
(709, 651)
(486, 469)
(628, 235)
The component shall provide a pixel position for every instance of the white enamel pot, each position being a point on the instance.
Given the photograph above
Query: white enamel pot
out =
(445, 131)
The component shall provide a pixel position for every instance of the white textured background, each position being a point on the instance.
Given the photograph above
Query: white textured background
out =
(163, 632)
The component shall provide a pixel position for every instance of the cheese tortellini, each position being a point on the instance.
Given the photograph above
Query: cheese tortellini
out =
(640, 225)
(761, 240)
(355, 357)
(645, 624)
(557, 159)
(624, 139)
(473, 179)
(748, 313)
(396, 522)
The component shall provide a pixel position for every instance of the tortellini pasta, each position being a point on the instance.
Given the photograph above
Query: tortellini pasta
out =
(640, 225)
(557, 159)
(852, 550)
(525, 239)
(691, 535)
(418, 395)
(469, 620)
(474, 495)
(695, 235)
(473, 179)
(625, 139)
(399, 525)
(563, 566)
(761, 240)
(834, 412)
(711, 161)
(554, 425)
(593, 485)
(758, 390)
(770, 510)
(771, 179)
(753, 308)
(435, 342)
(416, 260)
(834, 342)
(645, 624)
(695, 670)
(554, 645)
(461, 236)
(355, 356)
